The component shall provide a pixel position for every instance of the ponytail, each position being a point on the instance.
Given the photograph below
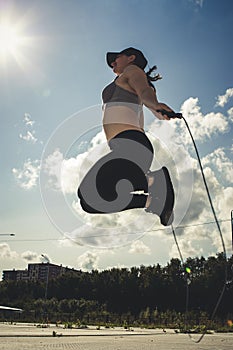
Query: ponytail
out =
(153, 77)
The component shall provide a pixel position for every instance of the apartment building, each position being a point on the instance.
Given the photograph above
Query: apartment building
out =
(36, 272)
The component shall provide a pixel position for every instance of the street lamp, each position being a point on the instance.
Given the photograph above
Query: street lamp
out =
(232, 229)
(7, 234)
(47, 277)
(46, 285)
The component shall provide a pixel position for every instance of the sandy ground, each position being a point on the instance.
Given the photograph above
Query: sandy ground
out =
(24, 337)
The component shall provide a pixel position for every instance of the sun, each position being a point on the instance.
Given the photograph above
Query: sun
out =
(19, 46)
(13, 42)
(10, 39)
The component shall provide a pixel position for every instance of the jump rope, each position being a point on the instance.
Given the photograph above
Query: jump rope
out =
(227, 282)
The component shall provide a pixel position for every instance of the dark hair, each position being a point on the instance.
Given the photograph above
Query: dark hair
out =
(153, 77)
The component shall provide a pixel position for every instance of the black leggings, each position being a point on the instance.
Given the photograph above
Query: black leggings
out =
(108, 185)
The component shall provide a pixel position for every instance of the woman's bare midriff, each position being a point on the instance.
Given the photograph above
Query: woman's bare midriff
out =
(122, 117)
(111, 130)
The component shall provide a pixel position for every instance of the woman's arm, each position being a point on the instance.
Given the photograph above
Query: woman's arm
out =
(138, 81)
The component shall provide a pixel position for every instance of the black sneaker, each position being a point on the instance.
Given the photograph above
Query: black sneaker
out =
(163, 197)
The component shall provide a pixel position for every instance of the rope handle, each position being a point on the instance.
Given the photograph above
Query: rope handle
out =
(170, 114)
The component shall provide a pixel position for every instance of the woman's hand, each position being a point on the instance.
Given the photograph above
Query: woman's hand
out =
(163, 107)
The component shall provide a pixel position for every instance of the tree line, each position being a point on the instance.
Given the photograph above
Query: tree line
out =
(149, 293)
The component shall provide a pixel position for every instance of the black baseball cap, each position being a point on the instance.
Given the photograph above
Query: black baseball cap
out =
(139, 61)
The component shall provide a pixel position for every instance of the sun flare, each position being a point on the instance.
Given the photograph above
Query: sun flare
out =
(19, 47)
(14, 43)
(10, 39)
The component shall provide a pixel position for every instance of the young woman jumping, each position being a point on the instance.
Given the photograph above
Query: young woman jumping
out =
(122, 179)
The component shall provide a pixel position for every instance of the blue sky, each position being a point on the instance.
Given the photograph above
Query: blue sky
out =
(57, 68)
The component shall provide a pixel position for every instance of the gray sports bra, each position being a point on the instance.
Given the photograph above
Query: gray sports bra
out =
(115, 93)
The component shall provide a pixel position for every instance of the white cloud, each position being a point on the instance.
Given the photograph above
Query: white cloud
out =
(6, 252)
(221, 163)
(30, 137)
(65, 242)
(202, 126)
(99, 139)
(30, 256)
(27, 120)
(65, 174)
(187, 247)
(218, 172)
(52, 167)
(171, 151)
(29, 134)
(205, 239)
(70, 174)
(230, 114)
(138, 247)
(88, 261)
(223, 99)
(27, 176)
(111, 230)
(224, 202)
